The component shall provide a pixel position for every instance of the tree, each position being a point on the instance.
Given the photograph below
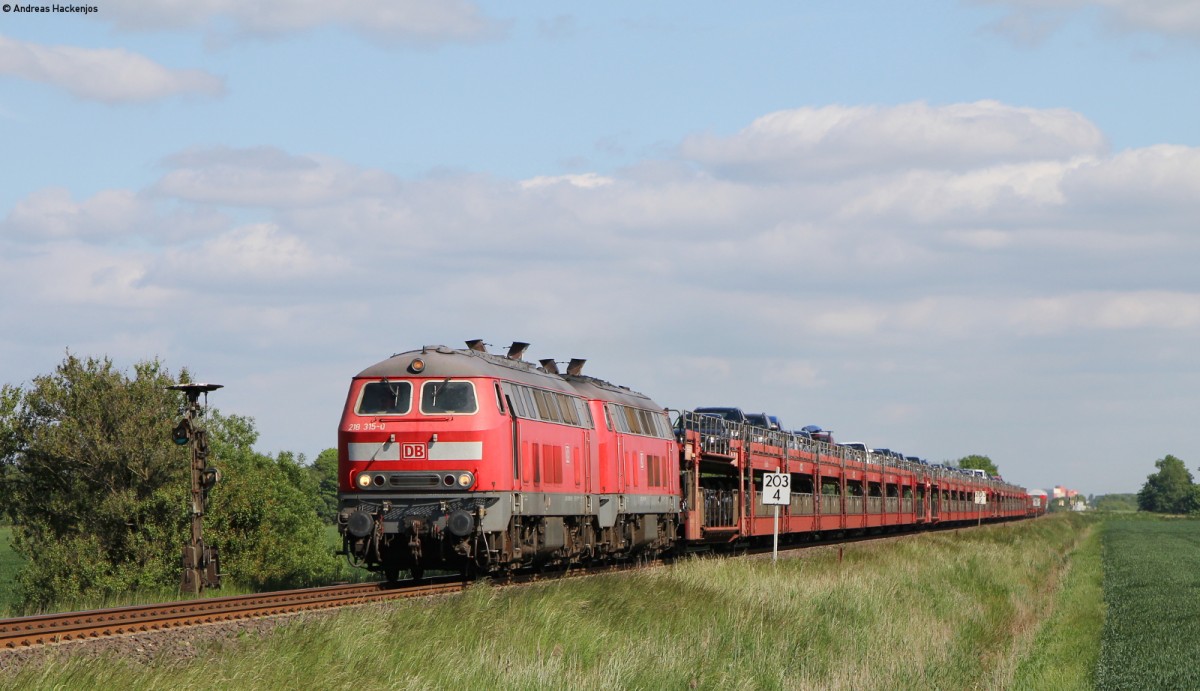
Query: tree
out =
(981, 462)
(1115, 502)
(324, 471)
(91, 482)
(264, 514)
(1170, 490)
(98, 493)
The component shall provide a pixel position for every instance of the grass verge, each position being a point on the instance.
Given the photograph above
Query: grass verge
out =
(946, 610)
(1064, 654)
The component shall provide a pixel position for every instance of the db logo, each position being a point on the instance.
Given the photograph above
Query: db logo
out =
(412, 452)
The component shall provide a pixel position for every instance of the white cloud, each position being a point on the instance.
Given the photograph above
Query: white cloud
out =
(1083, 314)
(107, 74)
(869, 140)
(266, 177)
(586, 180)
(107, 217)
(51, 214)
(925, 196)
(258, 253)
(66, 275)
(1157, 181)
(1091, 311)
(658, 227)
(1181, 17)
(1034, 18)
(881, 242)
(421, 21)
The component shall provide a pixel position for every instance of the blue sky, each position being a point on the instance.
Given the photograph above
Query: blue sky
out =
(942, 227)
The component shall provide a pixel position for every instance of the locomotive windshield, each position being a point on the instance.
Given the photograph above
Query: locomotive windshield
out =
(448, 397)
(385, 398)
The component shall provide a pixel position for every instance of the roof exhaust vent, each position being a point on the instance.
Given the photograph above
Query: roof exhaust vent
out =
(575, 367)
(550, 366)
(517, 350)
(477, 345)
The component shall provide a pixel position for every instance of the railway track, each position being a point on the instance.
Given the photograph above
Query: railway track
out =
(27, 632)
(22, 633)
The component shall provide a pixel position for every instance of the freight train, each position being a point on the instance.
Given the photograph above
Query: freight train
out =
(465, 460)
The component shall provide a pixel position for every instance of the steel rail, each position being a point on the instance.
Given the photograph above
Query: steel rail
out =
(45, 629)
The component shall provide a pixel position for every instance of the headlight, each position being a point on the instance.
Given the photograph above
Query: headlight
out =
(465, 480)
(363, 480)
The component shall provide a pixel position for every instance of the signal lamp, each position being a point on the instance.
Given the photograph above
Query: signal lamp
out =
(210, 477)
(416, 366)
(182, 433)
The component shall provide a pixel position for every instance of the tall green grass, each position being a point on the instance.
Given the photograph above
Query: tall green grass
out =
(1152, 586)
(949, 610)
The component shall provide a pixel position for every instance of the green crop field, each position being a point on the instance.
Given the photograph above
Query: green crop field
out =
(1151, 636)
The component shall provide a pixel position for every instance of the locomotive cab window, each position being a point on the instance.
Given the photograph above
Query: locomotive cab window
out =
(453, 397)
(385, 398)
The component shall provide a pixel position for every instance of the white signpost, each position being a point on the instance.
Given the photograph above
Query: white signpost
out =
(777, 491)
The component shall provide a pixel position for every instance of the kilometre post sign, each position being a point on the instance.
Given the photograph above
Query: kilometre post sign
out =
(777, 489)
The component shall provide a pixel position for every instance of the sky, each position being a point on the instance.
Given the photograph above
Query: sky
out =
(942, 227)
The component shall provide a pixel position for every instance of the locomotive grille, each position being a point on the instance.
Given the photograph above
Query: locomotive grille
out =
(415, 480)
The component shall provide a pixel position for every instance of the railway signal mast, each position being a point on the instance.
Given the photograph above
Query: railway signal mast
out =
(201, 563)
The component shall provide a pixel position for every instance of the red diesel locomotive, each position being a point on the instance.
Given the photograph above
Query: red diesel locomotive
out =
(466, 460)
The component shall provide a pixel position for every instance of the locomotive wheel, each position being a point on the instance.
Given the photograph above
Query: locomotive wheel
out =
(417, 573)
(391, 575)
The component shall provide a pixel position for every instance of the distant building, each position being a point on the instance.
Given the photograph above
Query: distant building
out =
(1062, 497)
